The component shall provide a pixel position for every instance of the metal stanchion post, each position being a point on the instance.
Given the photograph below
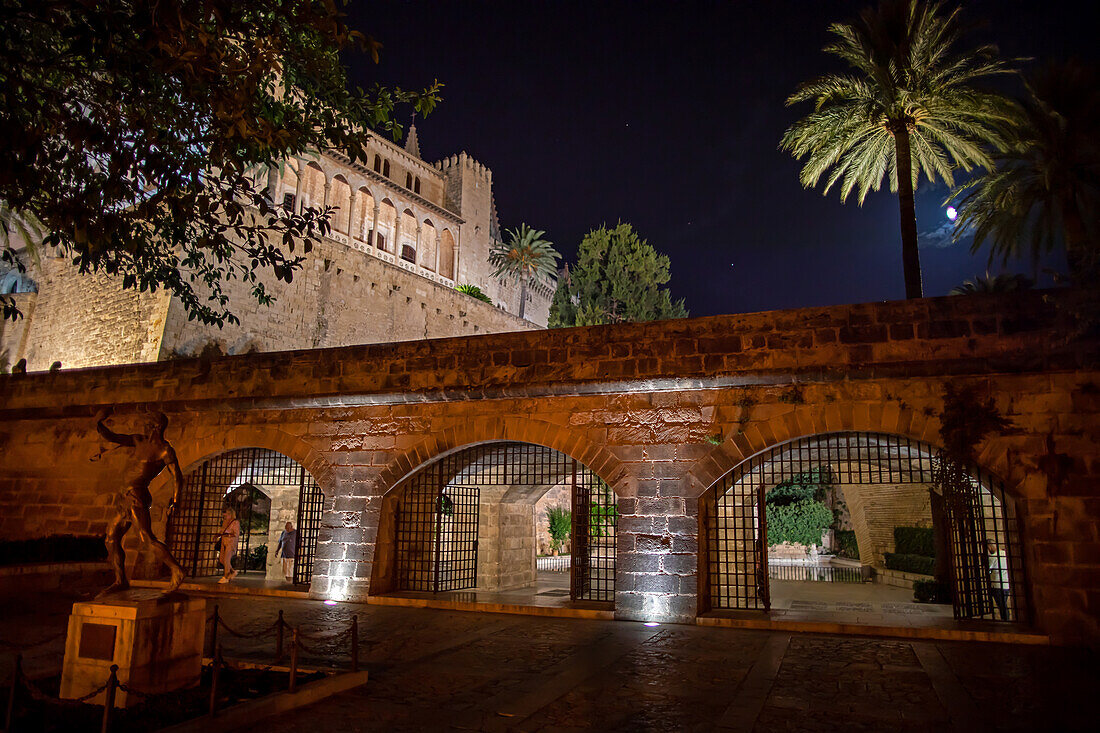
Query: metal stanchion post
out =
(294, 661)
(355, 643)
(214, 632)
(215, 673)
(279, 638)
(109, 699)
(17, 670)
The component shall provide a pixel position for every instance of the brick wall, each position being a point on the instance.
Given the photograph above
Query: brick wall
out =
(659, 411)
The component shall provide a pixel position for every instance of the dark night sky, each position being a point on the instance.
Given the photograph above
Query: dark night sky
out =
(668, 115)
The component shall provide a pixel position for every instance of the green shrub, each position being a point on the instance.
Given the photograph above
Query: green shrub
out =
(800, 522)
(911, 563)
(806, 485)
(560, 521)
(474, 292)
(601, 519)
(846, 545)
(55, 548)
(914, 541)
(931, 591)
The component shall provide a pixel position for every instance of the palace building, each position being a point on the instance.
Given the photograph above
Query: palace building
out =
(405, 233)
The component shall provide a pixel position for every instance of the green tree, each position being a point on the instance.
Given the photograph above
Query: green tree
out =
(618, 278)
(905, 109)
(474, 292)
(1045, 188)
(559, 525)
(144, 134)
(525, 256)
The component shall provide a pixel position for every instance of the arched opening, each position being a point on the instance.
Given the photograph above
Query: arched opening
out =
(313, 186)
(416, 185)
(289, 184)
(387, 222)
(340, 197)
(377, 163)
(266, 490)
(427, 245)
(861, 528)
(386, 168)
(477, 520)
(447, 255)
(407, 246)
(364, 216)
(409, 181)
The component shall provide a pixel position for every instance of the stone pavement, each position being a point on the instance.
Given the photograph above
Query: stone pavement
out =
(445, 670)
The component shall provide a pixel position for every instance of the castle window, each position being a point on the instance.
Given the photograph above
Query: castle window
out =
(288, 201)
(416, 185)
(386, 168)
(380, 241)
(377, 163)
(409, 181)
(408, 254)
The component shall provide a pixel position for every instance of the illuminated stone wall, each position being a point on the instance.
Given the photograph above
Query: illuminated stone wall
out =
(660, 411)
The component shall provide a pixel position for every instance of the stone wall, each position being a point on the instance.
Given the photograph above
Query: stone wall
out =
(877, 508)
(340, 297)
(90, 320)
(660, 411)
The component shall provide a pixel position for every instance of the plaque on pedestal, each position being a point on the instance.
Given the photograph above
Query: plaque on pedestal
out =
(155, 640)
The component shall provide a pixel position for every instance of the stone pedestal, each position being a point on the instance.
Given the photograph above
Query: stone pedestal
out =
(155, 640)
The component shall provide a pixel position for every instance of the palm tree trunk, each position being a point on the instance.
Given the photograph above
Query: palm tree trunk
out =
(910, 255)
(522, 295)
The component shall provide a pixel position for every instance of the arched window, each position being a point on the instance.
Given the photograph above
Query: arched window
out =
(416, 185)
(427, 245)
(407, 244)
(447, 255)
(408, 180)
(364, 216)
(408, 253)
(313, 187)
(377, 163)
(340, 197)
(387, 222)
(386, 168)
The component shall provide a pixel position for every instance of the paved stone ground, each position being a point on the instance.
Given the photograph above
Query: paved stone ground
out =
(444, 670)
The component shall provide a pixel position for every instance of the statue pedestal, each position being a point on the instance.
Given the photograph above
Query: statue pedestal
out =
(155, 640)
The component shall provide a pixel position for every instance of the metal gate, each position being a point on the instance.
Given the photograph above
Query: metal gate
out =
(595, 518)
(976, 511)
(196, 522)
(436, 529)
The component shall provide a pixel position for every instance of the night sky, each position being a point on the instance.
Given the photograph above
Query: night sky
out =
(668, 115)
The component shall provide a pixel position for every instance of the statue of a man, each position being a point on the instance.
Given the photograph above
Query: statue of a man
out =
(152, 454)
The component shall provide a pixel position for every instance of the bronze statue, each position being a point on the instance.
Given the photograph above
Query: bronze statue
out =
(152, 455)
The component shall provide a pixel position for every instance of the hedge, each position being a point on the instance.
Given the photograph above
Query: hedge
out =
(801, 522)
(914, 541)
(910, 563)
(55, 548)
(801, 487)
(846, 545)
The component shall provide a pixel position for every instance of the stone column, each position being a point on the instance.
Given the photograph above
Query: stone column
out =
(353, 202)
(419, 251)
(438, 243)
(371, 239)
(328, 189)
(272, 183)
(396, 231)
(298, 189)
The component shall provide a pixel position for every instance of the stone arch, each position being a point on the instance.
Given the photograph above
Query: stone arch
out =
(386, 225)
(426, 255)
(488, 430)
(364, 214)
(406, 248)
(340, 197)
(447, 254)
(313, 185)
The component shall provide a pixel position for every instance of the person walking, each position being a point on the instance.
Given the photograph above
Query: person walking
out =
(227, 543)
(288, 549)
(998, 577)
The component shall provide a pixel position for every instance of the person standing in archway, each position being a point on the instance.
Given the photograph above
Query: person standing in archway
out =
(288, 550)
(998, 578)
(227, 543)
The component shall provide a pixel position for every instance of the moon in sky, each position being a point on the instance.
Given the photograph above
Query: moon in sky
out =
(952, 213)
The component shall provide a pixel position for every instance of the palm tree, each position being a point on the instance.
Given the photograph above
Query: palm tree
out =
(524, 256)
(1002, 283)
(1046, 184)
(905, 109)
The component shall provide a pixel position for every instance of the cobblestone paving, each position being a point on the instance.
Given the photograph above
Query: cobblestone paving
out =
(442, 670)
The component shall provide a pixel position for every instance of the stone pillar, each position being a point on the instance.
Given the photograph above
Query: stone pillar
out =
(272, 183)
(371, 239)
(354, 203)
(397, 232)
(419, 250)
(438, 244)
(298, 189)
(328, 189)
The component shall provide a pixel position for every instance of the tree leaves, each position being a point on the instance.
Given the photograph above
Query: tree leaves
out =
(141, 133)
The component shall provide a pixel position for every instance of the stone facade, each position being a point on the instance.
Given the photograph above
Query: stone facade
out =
(660, 411)
(403, 236)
